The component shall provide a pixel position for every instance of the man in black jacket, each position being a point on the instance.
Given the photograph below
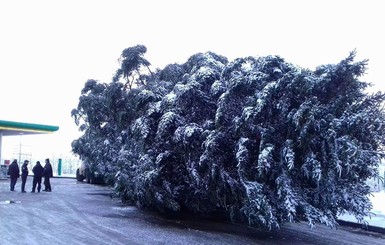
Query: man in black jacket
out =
(14, 173)
(48, 173)
(24, 175)
(37, 175)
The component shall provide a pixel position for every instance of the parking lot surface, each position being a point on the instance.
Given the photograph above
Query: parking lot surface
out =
(80, 213)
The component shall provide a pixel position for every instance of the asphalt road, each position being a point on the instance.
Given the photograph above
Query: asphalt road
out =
(81, 213)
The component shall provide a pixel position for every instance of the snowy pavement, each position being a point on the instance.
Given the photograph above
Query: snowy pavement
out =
(80, 213)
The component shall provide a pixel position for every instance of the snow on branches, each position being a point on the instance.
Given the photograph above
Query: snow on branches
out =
(258, 141)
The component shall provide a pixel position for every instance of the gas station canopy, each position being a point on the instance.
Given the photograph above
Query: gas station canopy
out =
(8, 128)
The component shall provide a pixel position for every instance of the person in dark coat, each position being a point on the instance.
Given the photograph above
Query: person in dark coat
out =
(47, 173)
(14, 173)
(24, 175)
(37, 175)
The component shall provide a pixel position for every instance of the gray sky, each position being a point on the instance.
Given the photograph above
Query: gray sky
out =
(49, 49)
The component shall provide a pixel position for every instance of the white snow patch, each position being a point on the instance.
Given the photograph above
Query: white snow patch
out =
(247, 66)
(146, 93)
(170, 98)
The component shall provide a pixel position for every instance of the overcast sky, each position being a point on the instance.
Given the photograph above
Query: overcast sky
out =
(49, 49)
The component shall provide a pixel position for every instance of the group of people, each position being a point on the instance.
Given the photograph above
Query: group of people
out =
(38, 173)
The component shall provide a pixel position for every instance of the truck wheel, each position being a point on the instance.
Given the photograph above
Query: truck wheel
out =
(79, 177)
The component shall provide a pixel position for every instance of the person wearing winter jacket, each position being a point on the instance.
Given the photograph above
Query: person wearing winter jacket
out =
(37, 175)
(47, 173)
(14, 174)
(24, 175)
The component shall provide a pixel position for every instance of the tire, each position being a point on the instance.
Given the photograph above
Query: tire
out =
(79, 177)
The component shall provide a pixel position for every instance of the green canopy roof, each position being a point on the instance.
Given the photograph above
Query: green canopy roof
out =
(16, 128)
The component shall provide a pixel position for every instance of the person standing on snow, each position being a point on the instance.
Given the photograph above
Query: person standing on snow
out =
(24, 175)
(47, 173)
(14, 174)
(37, 175)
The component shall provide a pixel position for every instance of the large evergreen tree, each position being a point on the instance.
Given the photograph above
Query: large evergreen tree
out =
(258, 141)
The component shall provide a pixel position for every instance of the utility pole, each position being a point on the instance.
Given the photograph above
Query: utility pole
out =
(21, 134)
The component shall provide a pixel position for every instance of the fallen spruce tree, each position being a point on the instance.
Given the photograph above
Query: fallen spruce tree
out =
(258, 141)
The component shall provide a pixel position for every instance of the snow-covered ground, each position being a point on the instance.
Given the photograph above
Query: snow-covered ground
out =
(378, 200)
(78, 213)
(378, 217)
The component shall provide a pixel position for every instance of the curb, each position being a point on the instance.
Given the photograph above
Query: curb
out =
(54, 177)
(362, 226)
